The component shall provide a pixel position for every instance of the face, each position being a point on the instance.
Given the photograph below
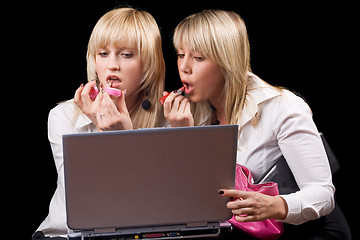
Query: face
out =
(202, 78)
(121, 67)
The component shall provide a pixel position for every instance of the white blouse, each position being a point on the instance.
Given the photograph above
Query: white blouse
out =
(61, 121)
(285, 126)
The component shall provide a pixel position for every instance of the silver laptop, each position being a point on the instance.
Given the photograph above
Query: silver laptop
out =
(159, 183)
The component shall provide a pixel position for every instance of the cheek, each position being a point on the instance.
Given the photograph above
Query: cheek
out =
(210, 84)
(212, 79)
(134, 68)
(134, 74)
(100, 68)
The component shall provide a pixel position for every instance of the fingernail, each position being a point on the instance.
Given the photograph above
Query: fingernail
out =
(82, 85)
(221, 192)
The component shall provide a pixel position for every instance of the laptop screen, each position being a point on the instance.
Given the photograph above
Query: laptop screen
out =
(149, 177)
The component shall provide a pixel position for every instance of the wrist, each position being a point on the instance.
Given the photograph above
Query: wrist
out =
(280, 207)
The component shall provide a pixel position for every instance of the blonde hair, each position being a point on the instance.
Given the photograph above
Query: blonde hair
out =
(135, 29)
(222, 37)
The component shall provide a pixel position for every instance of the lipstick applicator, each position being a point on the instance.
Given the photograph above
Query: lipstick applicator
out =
(177, 92)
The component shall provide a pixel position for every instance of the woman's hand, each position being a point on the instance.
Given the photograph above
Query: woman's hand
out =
(83, 101)
(254, 206)
(177, 110)
(107, 113)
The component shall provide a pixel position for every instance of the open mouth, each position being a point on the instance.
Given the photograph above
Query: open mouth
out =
(188, 87)
(114, 81)
(112, 78)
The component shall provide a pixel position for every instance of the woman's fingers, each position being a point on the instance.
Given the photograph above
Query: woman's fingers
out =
(233, 193)
(249, 206)
(111, 116)
(82, 96)
(183, 105)
(77, 96)
(85, 93)
(168, 103)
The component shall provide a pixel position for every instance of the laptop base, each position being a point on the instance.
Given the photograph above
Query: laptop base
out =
(163, 232)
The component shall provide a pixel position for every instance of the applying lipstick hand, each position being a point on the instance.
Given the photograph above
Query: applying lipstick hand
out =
(177, 109)
(113, 113)
(107, 113)
(83, 101)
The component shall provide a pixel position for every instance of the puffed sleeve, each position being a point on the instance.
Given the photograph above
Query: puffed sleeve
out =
(301, 145)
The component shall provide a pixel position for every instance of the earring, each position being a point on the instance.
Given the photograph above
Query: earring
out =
(146, 103)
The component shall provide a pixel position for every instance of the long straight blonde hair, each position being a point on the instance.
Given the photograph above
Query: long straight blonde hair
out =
(135, 29)
(222, 37)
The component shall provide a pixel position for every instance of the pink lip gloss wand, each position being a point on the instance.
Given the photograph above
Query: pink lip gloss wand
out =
(111, 91)
(178, 92)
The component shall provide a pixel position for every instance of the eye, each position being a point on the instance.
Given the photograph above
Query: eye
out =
(199, 59)
(127, 54)
(103, 54)
(180, 55)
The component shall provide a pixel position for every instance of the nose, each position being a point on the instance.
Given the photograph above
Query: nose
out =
(113, 63)
(184, 65)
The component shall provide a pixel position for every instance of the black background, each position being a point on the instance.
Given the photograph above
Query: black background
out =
(304, 47)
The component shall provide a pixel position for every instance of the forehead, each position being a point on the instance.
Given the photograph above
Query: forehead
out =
(116, 40)
(117, 31)
(184, 47)
(191, 41)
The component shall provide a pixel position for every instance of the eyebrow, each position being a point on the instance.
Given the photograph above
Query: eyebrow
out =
(121, 48)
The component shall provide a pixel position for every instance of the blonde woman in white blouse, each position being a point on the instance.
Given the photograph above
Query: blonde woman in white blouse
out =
(124, 53)
(214, 66)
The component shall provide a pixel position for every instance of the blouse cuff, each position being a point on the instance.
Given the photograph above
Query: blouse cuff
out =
(296, 215)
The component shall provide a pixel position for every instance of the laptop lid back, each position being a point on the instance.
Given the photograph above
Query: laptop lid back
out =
(148, 177)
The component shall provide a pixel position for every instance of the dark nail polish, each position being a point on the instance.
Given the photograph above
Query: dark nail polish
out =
(221, 192)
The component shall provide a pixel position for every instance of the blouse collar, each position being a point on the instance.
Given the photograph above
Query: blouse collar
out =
(258, 91)
(81, 121)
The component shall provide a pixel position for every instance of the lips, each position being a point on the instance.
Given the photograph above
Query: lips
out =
(112, 78)
(188, 87)
(114, 81)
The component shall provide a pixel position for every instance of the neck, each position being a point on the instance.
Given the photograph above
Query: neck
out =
(219, 111)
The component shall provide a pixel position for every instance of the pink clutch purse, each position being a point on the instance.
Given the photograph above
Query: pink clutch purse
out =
(268, 229)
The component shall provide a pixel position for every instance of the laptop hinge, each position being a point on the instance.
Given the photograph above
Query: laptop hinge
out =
(105, 230)
(197, 224)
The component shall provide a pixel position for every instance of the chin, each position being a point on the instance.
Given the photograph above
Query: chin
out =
(195, 99)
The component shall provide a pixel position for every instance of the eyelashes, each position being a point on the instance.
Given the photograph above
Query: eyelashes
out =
(122, 53)
(196, 58)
